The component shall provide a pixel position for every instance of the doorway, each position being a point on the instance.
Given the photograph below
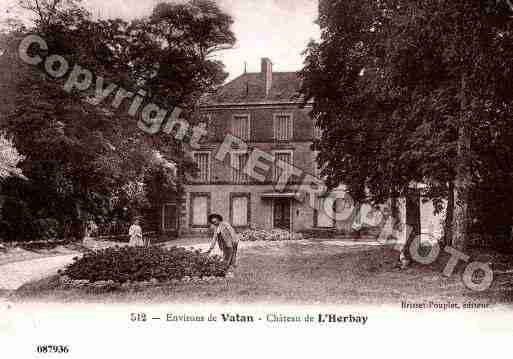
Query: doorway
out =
(281, 214)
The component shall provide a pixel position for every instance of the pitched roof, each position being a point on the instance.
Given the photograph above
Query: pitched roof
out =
(250, 88)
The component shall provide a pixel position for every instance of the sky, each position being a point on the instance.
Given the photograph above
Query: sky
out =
(278, 29)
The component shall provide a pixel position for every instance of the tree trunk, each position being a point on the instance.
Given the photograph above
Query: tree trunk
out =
(79, 224)
(412, 220)
(395, 211)
(461, 220)
(449, 216)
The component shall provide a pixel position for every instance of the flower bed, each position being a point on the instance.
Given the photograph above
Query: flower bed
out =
(110, 285)
(273, 235)
(120, 265)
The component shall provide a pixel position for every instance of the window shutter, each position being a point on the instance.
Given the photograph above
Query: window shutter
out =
(281, 157)
(241, 127)
(283, 128)
(200, 211)
(240, 211)
(239, 162)
(202, 160)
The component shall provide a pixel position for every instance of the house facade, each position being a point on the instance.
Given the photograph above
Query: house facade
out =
(261, 112)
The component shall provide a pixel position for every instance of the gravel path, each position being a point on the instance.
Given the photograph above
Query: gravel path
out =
(14, 275)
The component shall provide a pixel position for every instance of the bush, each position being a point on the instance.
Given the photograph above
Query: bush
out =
(272, 235)
(17, 222)
(136, 264)
(46, 229)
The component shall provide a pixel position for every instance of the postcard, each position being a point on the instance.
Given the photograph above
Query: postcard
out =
(242, 177)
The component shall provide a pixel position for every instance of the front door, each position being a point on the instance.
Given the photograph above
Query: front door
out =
(282, 214)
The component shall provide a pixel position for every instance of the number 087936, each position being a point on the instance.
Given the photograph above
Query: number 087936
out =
(52, 349)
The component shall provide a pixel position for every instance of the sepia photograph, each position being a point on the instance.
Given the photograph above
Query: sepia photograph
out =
(212, 166)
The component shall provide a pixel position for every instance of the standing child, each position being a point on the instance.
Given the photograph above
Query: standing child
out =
(228, 241)
(135, 234)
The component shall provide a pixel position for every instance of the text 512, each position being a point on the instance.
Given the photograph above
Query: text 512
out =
(138, 317)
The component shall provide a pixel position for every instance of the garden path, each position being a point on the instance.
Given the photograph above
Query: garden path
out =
(14, 275)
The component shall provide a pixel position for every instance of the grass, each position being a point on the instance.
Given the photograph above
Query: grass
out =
(297, 273)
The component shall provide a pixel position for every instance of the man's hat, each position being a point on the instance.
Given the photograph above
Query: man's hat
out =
(215, 215)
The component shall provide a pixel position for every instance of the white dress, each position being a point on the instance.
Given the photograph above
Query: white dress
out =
(135, 234)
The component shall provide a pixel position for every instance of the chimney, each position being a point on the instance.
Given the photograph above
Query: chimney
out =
(267, 73)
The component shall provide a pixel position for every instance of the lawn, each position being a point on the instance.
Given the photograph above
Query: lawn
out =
(304, 272)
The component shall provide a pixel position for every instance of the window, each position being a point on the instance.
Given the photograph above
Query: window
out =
(200, 209)
(283, 127)
(240, 212)
(169, 217)
(324, 218)
(202, 160)
(279, 158)
(239, 162)
(241, 127)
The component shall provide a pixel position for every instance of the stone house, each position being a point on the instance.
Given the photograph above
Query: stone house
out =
(266, 112)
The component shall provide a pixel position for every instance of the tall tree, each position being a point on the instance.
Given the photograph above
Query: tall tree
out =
(173, 50)
(405, 90)
(82, 159)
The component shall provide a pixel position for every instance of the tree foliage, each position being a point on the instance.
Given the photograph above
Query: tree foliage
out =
(414, 91)
(84, 160)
